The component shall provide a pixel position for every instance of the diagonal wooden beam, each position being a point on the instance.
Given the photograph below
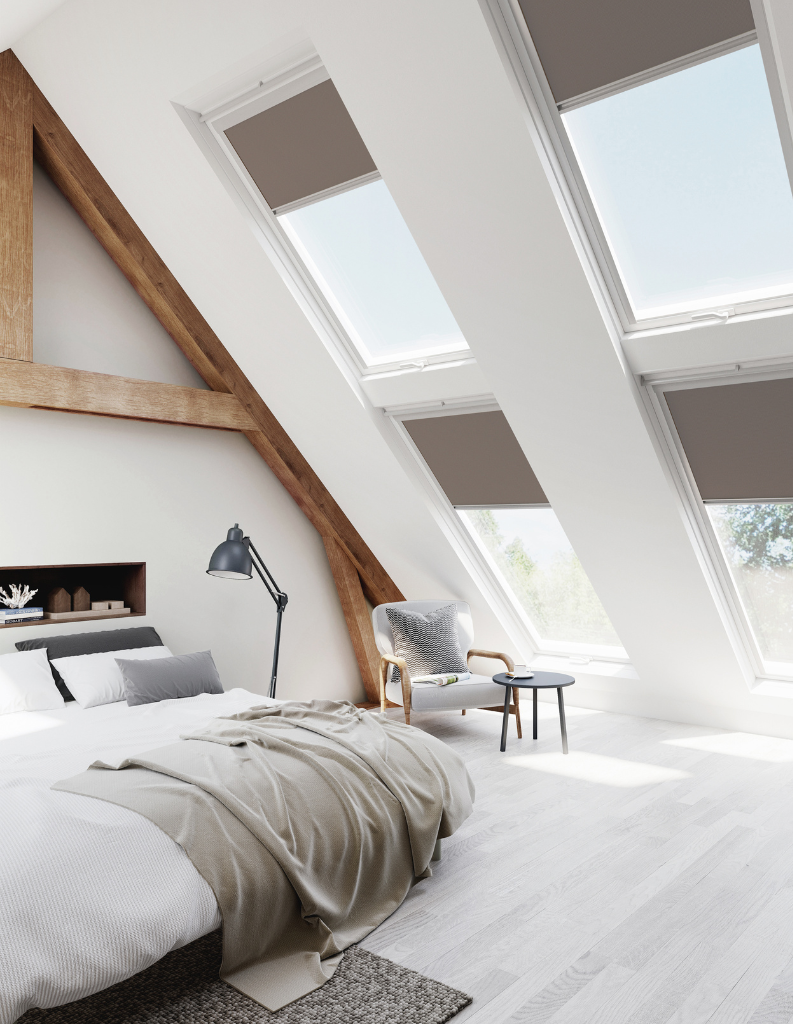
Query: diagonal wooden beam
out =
(38, 386)
(105, 215)
(357, 617)
(16, 209)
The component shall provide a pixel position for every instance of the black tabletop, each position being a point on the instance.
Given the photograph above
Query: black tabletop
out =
(538, 680)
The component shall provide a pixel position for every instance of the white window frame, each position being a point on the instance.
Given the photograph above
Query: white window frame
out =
(473, 554)
(521, 59)
(698, 522)
(268, 86)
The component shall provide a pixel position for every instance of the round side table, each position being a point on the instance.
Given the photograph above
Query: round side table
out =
(539, 681)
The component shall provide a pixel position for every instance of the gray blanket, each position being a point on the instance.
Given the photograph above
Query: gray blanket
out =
(309, 821)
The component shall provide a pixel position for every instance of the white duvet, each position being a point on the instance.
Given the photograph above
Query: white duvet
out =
(90, 893)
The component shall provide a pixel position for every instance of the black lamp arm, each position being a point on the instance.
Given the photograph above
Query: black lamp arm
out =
(280, 599)
(278, 596)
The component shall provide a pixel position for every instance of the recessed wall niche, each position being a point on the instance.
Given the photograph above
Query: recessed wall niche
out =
(103, 582)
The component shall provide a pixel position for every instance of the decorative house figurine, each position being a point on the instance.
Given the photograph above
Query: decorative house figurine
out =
(81, 600)
(115, 604)
(19, 596)
(99, 606)
(59, 600)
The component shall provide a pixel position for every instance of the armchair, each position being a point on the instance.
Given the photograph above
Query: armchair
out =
(476, 692)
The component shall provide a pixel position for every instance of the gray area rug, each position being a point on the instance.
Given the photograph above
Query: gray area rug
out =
(184, 988)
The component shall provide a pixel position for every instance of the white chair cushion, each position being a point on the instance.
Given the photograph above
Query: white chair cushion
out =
(476, 692)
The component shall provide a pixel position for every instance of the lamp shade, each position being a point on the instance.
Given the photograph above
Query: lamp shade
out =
(231, 560)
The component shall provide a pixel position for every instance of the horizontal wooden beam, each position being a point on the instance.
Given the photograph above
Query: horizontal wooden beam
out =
(38, 386)
(105, 215)
(16, 209)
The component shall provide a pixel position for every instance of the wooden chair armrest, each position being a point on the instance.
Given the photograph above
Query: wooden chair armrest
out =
(404, 675)
(475, 653)
(498, 656)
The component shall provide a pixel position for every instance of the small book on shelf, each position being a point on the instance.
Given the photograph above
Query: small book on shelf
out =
(16, 612)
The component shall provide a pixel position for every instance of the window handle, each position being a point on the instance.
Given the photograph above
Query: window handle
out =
(722, 315)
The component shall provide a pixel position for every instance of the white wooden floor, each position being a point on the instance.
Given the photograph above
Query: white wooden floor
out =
(647, 877)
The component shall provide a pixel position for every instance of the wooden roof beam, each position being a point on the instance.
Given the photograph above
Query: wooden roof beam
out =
(38, 386)
(16, 209)
(82, 184)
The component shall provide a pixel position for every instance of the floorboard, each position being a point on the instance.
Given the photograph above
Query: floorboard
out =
(645, 878)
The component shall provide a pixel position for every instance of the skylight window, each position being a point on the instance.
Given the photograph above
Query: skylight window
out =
(530, 552)
(756, 540)
(362, 256)
(688, 180)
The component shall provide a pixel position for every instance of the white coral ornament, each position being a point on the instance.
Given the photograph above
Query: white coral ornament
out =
(19, 596)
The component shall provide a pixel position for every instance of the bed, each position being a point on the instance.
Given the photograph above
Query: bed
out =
(131, 829)
(92, 893)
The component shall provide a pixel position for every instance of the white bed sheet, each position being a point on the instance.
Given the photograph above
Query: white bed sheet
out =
(91, 893)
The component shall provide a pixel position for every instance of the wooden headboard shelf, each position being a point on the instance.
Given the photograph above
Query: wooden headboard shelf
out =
(104, 581)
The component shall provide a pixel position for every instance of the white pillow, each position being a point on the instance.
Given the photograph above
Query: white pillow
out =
(96, 678)
(26, 683)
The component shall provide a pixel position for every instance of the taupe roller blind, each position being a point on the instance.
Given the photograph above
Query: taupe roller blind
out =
(304, 145)
(586, 44)
(738, 438)
(476, 459)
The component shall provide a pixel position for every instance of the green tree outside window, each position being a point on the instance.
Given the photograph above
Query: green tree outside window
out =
(757, 542)
(555, 594)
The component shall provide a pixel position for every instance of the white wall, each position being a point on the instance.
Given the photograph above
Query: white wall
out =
(81, 489)
(86, 315)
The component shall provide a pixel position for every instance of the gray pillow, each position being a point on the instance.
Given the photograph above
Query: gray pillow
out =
(429, 643)
(102, 641)
(186, 675)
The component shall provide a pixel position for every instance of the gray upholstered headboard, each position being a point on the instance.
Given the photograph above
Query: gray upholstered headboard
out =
(101, 641)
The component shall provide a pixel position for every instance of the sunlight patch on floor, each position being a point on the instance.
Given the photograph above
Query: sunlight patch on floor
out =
(548, 709)
(607, 771)
(740, 744)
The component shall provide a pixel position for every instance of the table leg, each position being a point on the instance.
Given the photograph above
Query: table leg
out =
(535, 712)
(507, 695)
(562, 720)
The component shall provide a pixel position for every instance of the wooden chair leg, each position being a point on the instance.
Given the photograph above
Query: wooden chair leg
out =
(463, 710)
(406, 690)
(516, 703)
(383, 670)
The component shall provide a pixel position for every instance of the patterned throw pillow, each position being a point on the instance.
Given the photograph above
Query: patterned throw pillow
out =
(428, 643)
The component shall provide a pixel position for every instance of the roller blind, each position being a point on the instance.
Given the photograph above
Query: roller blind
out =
(302, 146)
(476, 459)
(738, 438)
(585, 45)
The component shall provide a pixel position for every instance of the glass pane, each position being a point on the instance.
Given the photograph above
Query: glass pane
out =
(690, 185)
(534, 557)
(757, 542)
(362, 256)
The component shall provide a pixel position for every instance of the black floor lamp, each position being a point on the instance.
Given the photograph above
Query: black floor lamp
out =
(233, 560)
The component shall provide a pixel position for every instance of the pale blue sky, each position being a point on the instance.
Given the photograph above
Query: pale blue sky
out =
(374, 270)
(690, 184)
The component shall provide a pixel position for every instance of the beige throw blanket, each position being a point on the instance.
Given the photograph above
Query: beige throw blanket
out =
(309, 821)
